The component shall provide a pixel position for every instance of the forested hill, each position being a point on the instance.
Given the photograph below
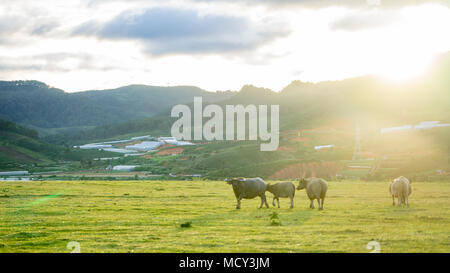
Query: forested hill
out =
(138, 109)
(371, 100)
(311, 114)
(38, 105)
(20, 145)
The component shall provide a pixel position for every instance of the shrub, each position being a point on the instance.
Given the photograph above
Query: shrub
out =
(186, 224)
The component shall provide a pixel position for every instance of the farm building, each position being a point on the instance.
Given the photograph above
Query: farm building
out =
(184, 143)
(130, 150)
(174, 141)
(424, 125)
(395, 129)
(15, 179)
(94, 146)
(168, 140)
(13, 173)
(429, 125)
(119, 150)
(124, 168)
(323, 147)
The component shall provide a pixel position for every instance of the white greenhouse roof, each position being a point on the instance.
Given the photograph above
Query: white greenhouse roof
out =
(119, 150)
(144, 146)
(424, 125)
(95, 146)
(323, 147)
(14, 173)
(124, 168)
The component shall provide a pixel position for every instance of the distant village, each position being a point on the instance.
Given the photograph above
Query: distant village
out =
(137, 146)
(141, 145)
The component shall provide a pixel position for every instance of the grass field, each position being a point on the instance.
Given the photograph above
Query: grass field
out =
(146, 216)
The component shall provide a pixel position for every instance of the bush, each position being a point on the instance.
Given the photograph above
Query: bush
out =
(186, 224)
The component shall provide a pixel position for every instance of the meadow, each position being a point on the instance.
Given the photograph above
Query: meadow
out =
(200, 216)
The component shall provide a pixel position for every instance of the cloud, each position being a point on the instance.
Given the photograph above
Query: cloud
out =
(44, 28)
(9, 27)
(177, 31)
(362, 21)
(54, 62)
(329, 3)
(16, 30)
(10, 24)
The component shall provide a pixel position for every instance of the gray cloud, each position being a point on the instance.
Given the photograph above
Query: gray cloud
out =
(16, 30)
(178, 31)
(10, 24)
(44, 28)
(9, 27)
(51, 62)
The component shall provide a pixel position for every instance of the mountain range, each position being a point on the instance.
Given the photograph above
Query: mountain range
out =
(35, 104)
(310, 114)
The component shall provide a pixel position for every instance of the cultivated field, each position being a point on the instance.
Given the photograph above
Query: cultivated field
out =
(146, 216)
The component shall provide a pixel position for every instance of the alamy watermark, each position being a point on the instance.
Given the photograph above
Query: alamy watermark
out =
(235, 123)
(74, 246)
(374, 246)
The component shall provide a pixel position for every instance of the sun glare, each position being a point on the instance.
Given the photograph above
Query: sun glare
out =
(404, 69)
(410, 54)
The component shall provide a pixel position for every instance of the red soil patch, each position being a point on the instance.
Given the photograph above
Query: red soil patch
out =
(177, 150)
(166, 146)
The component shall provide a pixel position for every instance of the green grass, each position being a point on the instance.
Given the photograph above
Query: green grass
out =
(200, 216)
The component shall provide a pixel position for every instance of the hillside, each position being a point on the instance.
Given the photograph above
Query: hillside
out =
(49, 109)
(307, 105)
(318, 114)
(324, 113)
(21, 148)
(370, 100)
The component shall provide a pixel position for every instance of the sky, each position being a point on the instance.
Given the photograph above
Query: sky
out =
(218, 44)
